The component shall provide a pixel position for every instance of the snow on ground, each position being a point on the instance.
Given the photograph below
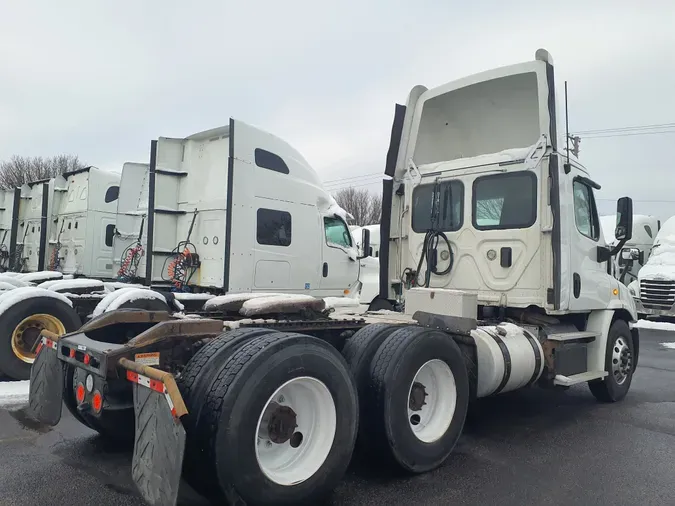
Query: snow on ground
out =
(13, 393)
(648, 324)
(668, 345)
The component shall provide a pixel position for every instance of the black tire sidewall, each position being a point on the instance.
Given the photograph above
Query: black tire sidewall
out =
(236, 461)
(10, 364)
(618, 329)
(145, 305)
(411, 453)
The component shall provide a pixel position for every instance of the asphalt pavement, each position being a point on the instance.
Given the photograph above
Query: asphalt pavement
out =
(528, 447)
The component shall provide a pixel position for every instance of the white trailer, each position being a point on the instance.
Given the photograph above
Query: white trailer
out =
(490, 238)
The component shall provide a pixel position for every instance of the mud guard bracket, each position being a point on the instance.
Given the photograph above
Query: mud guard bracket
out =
(159, 441)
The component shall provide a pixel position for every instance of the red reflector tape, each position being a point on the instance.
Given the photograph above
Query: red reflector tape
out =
(49, 343)
(155, 385)
(39, 348)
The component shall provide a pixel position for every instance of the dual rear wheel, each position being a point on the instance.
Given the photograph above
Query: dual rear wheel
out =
(273, 417)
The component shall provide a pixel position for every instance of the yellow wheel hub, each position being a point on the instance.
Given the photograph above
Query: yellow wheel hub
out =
(27, 333)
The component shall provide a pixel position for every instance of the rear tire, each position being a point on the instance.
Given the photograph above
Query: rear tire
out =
(247, 387)
(418, 399)
(619, 363)
(20, 316)
(194, 384)
(359, 352)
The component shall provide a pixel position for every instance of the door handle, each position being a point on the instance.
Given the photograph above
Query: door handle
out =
(506, 257)
(577, 285)
(325, 269)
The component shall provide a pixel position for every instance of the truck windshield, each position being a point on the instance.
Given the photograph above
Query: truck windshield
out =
(451, 204)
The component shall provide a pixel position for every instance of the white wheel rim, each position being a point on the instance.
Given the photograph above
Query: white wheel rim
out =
(298, 458)
(432, 399)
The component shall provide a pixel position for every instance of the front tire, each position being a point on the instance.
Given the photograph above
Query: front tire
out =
(288, 396)
(619, 364)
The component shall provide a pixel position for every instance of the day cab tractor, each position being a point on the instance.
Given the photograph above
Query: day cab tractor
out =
(491, 244)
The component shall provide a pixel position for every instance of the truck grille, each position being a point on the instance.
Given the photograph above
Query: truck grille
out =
(657, 294)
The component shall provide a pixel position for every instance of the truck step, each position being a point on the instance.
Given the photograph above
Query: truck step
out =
(583, 336)
(575, 379)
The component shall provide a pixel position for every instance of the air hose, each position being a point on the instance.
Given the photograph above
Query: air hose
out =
(433, 237)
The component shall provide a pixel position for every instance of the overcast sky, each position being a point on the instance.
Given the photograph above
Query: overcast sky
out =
(101, 79)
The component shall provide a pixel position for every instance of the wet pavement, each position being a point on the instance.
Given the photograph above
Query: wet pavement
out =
(528, 447)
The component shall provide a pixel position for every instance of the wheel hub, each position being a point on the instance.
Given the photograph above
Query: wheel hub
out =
(418, 395)
(282, 424)
(27, 334)
(622, 361)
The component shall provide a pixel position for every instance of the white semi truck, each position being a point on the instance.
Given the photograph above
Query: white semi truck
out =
(490, 239)
(635, 253)
(654, 290)
(96, 218)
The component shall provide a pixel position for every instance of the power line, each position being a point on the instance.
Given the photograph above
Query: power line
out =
(370, 175)
(619, 129)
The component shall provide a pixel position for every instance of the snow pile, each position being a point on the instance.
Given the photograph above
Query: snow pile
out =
(6, 286)
(670, 346)
(328, 206)
(650, 325)
(13, 280)
(35, 277)
(233, 301)
(14, 393)
(115, 299)
(75, 284)
(247, 321)
(18, 295)
(111, 286)
(333, 302)
(193, 296)
(287, 303)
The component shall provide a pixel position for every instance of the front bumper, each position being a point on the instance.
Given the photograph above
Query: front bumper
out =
(642, 309)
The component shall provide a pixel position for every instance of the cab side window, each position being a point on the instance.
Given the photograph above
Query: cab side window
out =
(585, 213)
(337, 233)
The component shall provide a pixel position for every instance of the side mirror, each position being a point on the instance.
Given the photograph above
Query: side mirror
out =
(624, 219)
(365, 243)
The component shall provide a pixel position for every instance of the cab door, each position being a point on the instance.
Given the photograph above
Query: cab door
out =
(340, 267)
(589, 282)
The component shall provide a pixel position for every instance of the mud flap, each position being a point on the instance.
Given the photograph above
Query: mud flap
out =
(159, 446)
(45, 400)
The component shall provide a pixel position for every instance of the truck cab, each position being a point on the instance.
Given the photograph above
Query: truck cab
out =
(236, 209)
(635, 252)
(483, 200)
(654, 290)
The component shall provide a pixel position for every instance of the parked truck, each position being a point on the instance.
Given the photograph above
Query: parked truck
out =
(297, 250)
(635, 253)
(490, 240)
(654, 290)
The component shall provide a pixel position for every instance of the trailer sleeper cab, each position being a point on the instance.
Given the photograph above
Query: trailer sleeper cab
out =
(490, 241)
